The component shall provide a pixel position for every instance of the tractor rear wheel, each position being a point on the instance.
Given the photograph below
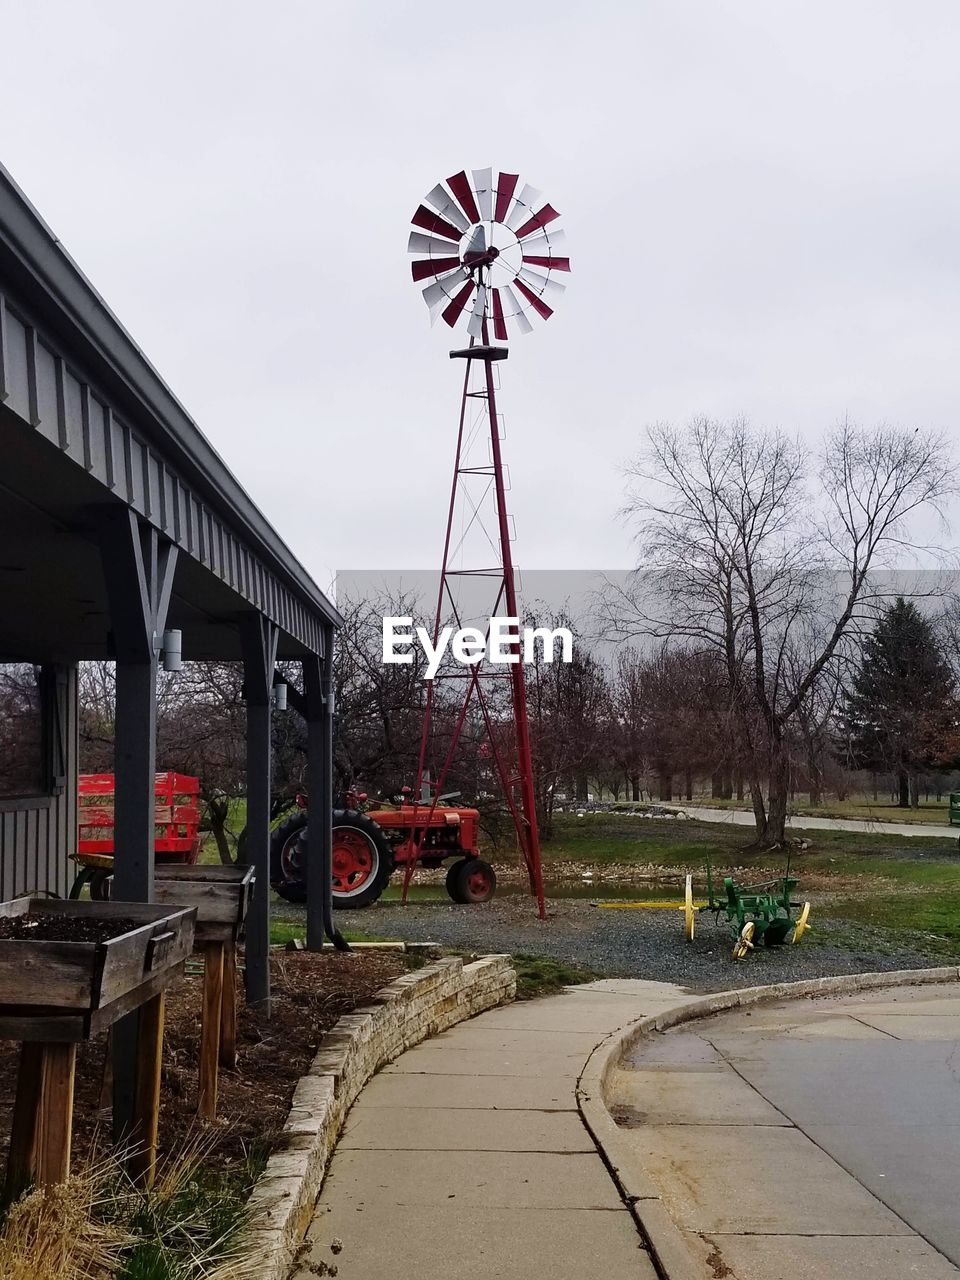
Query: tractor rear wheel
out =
(362, 859)
(471, 880)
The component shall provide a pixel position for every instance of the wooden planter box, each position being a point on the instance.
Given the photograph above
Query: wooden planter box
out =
(221, 896)
(68, 991)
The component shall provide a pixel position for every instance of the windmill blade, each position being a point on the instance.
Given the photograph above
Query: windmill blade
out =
(453, 312)
(551, 264)
(515, 309)
(433, 222)
(460, 187)
(537, 222)
(499, 324)
(441, 200)
(475, 326)
(522, 210)
(542, 284)
(553, 241)
(483, 185)
(538, 304)
(506, 186)
(419, 243)
(442, 290)
(433, 267)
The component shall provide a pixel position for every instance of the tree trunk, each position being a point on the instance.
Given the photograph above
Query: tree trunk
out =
(739, 786)
(726, 790)
(716, 785)
(635, 786)
(218, 809)
(914, 791)
(666, 785)
(778, 791)
(688, 785)
(903, 783)
(582, 788)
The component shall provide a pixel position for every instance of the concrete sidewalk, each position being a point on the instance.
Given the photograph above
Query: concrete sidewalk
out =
(800, 822)
(811, 1138)
(467, 1157)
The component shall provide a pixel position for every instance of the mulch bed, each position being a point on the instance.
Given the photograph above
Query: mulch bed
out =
(310, 992)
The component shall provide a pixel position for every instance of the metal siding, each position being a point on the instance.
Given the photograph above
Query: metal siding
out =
(18, 388)
(48, 417)
(35, 842)
(37, 384)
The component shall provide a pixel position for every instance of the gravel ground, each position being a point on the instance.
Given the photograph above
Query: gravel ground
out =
(629, 943)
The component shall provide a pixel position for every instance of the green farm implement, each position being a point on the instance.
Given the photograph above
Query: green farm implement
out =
(755, 912)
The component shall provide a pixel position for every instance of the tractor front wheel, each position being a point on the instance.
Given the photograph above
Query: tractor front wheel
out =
(471, 880)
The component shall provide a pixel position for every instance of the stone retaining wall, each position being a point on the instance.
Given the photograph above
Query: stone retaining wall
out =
(401, 1015)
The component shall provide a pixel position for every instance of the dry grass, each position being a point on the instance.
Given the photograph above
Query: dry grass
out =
(98, 1226)
(58, 1234)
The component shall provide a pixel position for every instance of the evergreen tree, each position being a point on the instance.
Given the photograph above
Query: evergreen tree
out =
(901, 712)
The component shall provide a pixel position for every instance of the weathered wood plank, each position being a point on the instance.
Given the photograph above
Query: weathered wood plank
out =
(146, 1107)
(210, 1030)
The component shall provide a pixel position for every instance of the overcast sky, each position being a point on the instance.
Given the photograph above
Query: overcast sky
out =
(762, 203)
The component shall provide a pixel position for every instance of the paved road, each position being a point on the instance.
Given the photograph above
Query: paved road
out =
(813, 1138)
(467, 1157)
(740, 817)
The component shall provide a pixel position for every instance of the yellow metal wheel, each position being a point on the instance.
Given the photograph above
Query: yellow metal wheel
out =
(803, 923)
(689, 913)
(745, 942)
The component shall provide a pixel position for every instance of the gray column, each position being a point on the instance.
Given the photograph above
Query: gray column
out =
(138, 567)
(259, 641)
(318, 687)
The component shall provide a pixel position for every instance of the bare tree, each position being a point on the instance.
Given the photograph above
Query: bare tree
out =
(762, 551)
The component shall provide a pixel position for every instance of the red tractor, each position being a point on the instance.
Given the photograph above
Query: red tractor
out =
(368, 847)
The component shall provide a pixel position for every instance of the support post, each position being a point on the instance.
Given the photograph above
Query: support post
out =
(228, 1009)
(146, 1115)
(259, 641)
(318, 689)
(138, 568)
(211, 1013)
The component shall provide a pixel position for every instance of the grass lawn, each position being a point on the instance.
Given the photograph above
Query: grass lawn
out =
(909, 885)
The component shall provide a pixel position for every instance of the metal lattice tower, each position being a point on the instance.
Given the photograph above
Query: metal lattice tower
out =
(489, 250)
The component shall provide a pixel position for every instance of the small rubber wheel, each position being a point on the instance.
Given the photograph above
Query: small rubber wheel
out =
(453, 873)
(101, 883)
(689, 913)
(803, 923)
(475, 881)
(745, 942)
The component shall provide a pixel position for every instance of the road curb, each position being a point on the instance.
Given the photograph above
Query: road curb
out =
(666, 1242)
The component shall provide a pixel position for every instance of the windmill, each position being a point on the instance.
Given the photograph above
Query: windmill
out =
(487, 252)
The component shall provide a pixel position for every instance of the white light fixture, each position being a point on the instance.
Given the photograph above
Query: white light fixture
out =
(280, 697)
(172, 651)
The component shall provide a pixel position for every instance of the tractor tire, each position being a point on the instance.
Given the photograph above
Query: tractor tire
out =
(362, 859)
(471, 880)
(453, 872)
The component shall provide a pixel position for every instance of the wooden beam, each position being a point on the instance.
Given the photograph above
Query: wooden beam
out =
(228, 1009)
(55, 1128)
(146, 1113)
(210, 1029)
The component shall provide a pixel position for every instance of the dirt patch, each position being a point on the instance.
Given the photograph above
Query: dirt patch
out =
(310, 992)
(50, 927)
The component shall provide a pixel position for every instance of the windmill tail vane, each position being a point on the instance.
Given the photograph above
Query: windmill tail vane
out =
(487, 247)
